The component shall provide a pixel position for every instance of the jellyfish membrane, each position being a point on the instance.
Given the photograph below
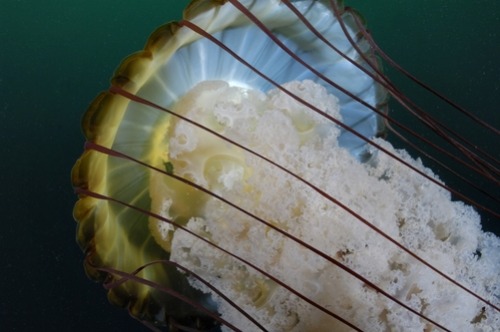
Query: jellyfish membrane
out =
(198, 188)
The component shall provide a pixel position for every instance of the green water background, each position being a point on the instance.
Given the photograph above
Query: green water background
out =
(56, 55)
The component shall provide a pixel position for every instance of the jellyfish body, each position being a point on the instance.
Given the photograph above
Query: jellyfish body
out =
(218, 155)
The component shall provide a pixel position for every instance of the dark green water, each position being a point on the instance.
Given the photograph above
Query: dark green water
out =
(56, 55)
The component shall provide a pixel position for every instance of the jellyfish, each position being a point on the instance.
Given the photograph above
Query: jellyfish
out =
(237, 176)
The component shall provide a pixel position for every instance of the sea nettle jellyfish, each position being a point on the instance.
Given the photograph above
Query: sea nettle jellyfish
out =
(237, 176)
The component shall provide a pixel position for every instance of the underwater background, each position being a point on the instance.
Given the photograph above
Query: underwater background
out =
(57, 55)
